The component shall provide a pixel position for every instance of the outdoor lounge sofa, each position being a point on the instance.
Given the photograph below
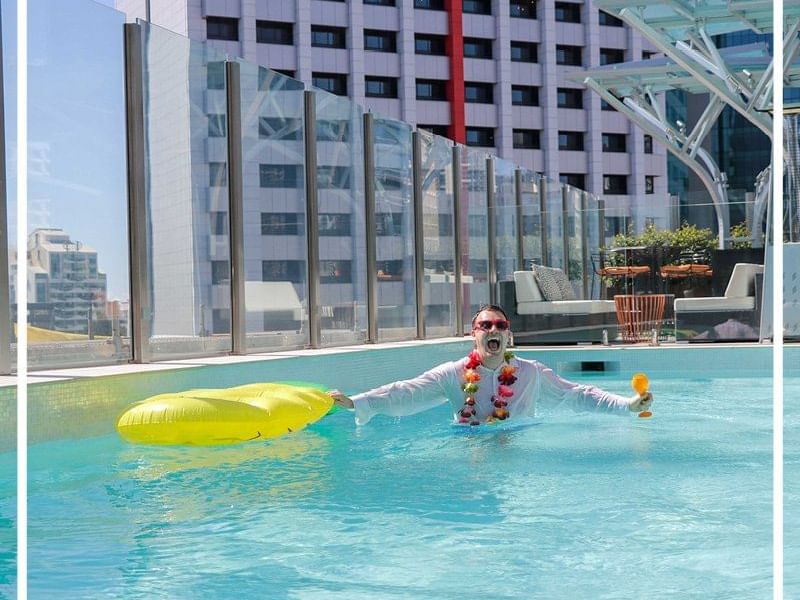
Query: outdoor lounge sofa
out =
(734, 316)
(536, 319)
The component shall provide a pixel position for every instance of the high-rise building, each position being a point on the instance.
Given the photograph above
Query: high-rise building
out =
(64, 283)
(487, 73)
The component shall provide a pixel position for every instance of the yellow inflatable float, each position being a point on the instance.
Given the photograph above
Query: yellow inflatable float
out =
(203, 417)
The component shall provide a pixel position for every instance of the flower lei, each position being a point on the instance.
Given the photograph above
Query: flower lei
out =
(470, 387)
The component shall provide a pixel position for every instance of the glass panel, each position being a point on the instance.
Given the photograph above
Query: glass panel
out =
(531, 218)
(77, 200)
(185, 154)
(575, 240)
(342, 243)
(554, 222)
(275, 246)
(394, 222)
(437, 226)
(505, 203)
(475, 250)
(592, 217)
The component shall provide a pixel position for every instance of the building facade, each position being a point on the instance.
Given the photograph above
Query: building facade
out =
(487, 73)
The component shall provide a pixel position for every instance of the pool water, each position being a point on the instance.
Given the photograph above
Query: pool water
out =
(566, 506)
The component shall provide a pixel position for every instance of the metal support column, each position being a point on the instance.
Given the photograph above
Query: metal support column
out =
(458, 239)
(419, 234)
(492, 230)
(601, 226)
(585, 243)
(312, 218)
(565, 227)
(520, 228)
(5, 296)
(139, 312)
(236, 208)
(371, 236)
(543, 220)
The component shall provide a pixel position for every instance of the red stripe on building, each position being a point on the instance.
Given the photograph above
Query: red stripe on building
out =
(455, 87)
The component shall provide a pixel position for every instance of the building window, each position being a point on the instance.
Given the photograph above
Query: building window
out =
(390, 270)
(335, 83)
(477, 7)
(217, 174)
(477, 48)
(606, 106)
(333, 131)
(569, 55)
(292, 271)
(219, 223)
(435, 129)
(380, 2)
(445, 226)
(648, 54)
(576, 180)
(328, 37)
(282, 223)
(389, 224)
(478, 225)
(286, 72)
(523, 9)
(610, 20)
(279, 176)
(527, 139)
(222, 28)
(615, 184)
(220, 320)
(429, 4)
(611, 56)
(389, 179)
(429, 44)
(523, 52)
(614, 142)
(380, 41)
(272, 32)
(431, 89)
(220, 272)
(380, 87)
(649, 184)
(480, 136)
(336, 178)
(567, 12)
(569, 98)
(334, 224)
(479, 93)
(648, 144)
(524, 95)
(217, 127)
(215, 75)
(277, 128)
(335, 271)
(570, 140)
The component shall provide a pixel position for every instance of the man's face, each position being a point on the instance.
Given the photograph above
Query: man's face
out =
(491, 333)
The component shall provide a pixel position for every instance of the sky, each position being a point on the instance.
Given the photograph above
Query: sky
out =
(76, 129)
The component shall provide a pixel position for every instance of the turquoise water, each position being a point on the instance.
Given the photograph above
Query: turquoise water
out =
(567, 506)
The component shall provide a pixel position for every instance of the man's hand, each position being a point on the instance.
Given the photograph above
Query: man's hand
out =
(340, 399)
(640, 403)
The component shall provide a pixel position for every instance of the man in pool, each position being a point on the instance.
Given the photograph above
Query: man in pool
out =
(489, 384)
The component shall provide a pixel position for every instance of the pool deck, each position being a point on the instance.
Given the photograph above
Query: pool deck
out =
(65, 374)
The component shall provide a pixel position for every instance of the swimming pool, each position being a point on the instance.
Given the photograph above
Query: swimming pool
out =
(569, 505)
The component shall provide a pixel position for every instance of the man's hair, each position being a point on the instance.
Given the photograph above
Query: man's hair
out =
(492, 307)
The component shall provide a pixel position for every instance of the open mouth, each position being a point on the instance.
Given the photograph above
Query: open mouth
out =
(493, 345)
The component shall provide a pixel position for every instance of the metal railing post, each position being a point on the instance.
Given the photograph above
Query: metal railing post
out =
(5, 295)
(139, 306)
(520, 228)
(492, 230)
(565, 227)
(419, 234)
(312, 218)
(236, 207)
(371, 235)
(458, 239)
(543, 221)
(585, 243)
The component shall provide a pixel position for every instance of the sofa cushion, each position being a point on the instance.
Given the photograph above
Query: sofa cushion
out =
(567, 307)
(714, 304)
(526, 287)
(548, 282)
(742, 281)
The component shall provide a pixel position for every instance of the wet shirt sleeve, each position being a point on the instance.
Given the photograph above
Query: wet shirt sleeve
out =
(403, 398)
(557, 391)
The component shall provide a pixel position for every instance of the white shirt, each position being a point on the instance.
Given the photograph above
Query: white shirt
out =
(535, 383)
